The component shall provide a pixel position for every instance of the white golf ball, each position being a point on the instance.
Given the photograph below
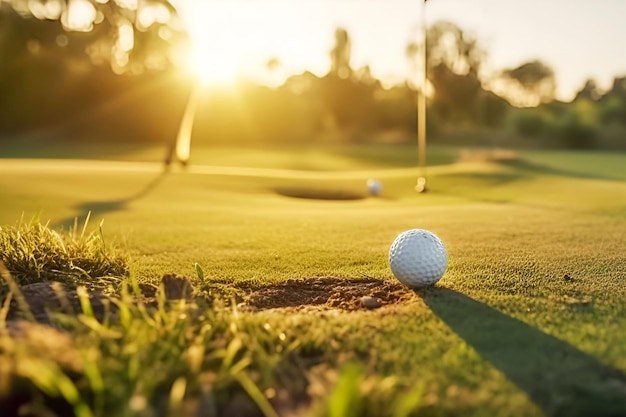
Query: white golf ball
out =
(374, 186)
(418, 258)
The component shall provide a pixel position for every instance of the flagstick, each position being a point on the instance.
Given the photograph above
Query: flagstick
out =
(183, 140)
(420, 187)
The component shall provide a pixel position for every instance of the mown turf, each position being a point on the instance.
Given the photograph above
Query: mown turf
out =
(529, 319)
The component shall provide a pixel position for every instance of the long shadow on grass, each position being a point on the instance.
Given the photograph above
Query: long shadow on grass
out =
(98, 208)
(560, 379)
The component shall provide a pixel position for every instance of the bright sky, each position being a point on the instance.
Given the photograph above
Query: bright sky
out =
(579, 39)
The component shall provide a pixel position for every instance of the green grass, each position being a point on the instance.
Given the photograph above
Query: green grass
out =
(602, 165)
(333, 158)
(34, 252)
(504, 333)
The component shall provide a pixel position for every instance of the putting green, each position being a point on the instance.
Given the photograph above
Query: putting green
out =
(528, 318)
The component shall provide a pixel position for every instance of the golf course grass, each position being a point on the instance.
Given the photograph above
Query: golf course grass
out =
(528, 320)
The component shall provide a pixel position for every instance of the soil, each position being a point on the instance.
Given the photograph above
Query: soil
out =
(42, 298)
(306, 294)
(326, 293)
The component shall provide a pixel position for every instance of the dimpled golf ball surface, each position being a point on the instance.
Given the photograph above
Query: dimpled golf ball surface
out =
(418, 258)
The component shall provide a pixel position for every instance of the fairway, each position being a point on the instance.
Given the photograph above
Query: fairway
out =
(528, 320)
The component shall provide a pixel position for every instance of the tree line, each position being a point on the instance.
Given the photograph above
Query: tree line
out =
(115, 78)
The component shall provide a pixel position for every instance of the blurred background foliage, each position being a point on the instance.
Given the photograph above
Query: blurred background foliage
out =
(114, 77)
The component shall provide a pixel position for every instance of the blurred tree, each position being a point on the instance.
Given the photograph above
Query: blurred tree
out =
(619, 88)
(347, 95)
(614, 103)
(31, 70)
(613, 110)
(396, 109)
(277, 115)
(456, 95)
(450, 46)
(349, 103)
(589, 91)
(340, 55)
(610, 113)
(131, 35)
(530, 123)
(454, 60)
(59, 60)
(527, 85)
(307, 92)
(576, 134)
(492, 109)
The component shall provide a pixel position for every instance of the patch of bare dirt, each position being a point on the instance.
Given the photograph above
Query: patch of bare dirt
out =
(42, 298)
(327, 293)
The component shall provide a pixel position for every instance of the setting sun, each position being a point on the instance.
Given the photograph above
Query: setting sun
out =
(211, 66)
(235, 39)
(218, 45)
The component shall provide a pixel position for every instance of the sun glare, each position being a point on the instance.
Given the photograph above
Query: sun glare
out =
(213, 64)
(216, 54)
(236, 39)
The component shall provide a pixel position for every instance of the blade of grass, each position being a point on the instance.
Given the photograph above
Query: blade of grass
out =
(256, 395)
(409, 402)
(85, 302)
(15, 289)
(177, 394)
(82, 234)
(49, 378)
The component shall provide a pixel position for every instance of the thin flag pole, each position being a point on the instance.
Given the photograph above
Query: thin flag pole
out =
(420, 187)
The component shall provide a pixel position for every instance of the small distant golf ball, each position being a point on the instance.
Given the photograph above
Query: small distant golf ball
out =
(418, 258)
(374, 186)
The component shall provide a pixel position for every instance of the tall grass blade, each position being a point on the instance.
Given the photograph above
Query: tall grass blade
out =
(409, 402)
(85, 302)
(256, 395)
(82, 234)
(17, 293)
